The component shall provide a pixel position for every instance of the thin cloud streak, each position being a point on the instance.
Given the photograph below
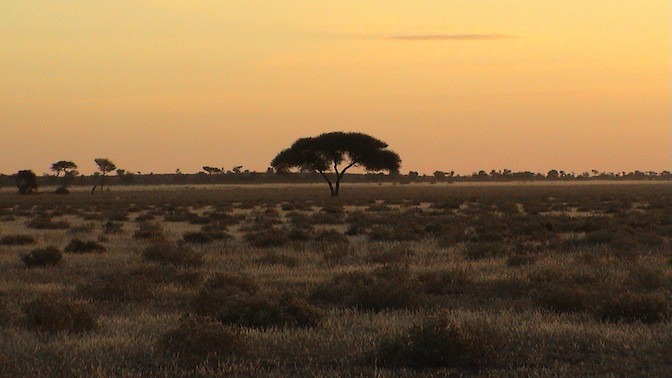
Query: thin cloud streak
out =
(454, 37)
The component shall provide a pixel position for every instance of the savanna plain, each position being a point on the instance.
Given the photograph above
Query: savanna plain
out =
(385, 280)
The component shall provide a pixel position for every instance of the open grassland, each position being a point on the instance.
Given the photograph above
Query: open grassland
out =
(387, 280)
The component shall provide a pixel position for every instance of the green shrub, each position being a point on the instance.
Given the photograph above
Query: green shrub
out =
(51, 314)
(172, 254)
(440, 342)
(79, 246)
(48, 256)
(635, 307)
(198, 339)
(17, 240)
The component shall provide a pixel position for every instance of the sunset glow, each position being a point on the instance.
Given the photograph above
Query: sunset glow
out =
(451, 85)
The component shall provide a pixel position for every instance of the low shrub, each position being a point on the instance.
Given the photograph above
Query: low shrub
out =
(388, 287)
(148, 230)
(197, 237)
(80, 246)
(17, 240)
(274, 258)
(238, 302)
(47, 256)
(563, 297)
(121, 286)
(483, 250)
(111, 227)
(266, 238)
(199, 339)
(447, 281)
(441, 342)
(172, 254)
(331, 237)
(635, 307)
(520, 260)
(46, 223)
(389, 255)
(51, 314)
(168, 274)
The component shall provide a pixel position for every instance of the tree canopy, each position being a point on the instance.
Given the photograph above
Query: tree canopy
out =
(330, 151)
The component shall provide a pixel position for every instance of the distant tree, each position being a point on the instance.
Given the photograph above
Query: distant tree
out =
(69, 170)
(237, 168)
(439, 174)
(212, 170)
(331, 150)
(26, 181)
(553, 174)
(104, 166)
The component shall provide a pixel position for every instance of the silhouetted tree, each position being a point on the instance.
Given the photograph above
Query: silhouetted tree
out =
(212, 170)
(26, 181)
(69, 170)
(104, 166)
(553, 174)
(328, 151)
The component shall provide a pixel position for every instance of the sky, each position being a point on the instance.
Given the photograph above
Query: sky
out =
(457, 85)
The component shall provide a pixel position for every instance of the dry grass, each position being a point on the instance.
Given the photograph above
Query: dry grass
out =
(393, 280)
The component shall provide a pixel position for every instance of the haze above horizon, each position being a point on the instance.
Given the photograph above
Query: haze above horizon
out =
(454, 86)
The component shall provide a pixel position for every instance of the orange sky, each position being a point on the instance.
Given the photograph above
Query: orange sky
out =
(158, 85)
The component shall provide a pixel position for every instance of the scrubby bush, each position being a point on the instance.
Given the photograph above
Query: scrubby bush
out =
(483, 250)
(172, 254)
(199, 339)
(197, 237)
(80, 246)
(148, 230)
(520, 260)
(388, 287)
(111, 227)
(331, 237)
(17, 240)
(268, 237)
(389, 255)
(446, 281)
(117, 287)
(216, 231)
(564, 297)
(274, 258)
(46, 223)
(51, 314)
(442, 342)
(168, 274)
(635, 307)
(234, 299)
(47, 256)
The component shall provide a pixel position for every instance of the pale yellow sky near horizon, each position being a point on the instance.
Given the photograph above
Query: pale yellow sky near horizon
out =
(155, 85)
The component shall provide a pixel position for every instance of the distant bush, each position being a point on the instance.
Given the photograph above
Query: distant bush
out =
(46, 223)
(51, 314)
(483, 250)
(331, 237)
(17, 240)
(440, 342)
(112, 227)
(47, 256)
(447, 281)
(635, 307)
(388, 287)
(266, 238)
(168, 274)
(148, 230)
(274, 258)
(520, 260)
(216, 231)
(389, 255)
(197, 237)
(170, 253)
(199, 339)
(79, 246)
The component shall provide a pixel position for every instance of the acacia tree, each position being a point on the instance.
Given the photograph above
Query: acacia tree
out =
(104, 166)
(330, 151)
(67, 167)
